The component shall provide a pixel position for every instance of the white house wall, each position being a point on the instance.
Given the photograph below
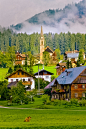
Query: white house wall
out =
(26, 79)
(45, 77)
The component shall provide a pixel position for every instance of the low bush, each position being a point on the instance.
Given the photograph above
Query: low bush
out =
(45, 98)
(74, 101)
(57, 102)
(82, 102)
(48, 102)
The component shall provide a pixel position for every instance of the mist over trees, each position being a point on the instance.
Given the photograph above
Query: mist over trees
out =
(24, 42)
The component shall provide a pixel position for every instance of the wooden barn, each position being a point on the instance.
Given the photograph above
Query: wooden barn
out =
(70, 84)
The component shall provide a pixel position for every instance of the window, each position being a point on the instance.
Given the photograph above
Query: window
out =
(47, 76)
(28, 79)
(76, 95)
(22, 73)
(83, 86)
(45, 73)
(83, 94)
(18, 73)
(76, 86)
(11, 80)
(23, 80)
(17, 80)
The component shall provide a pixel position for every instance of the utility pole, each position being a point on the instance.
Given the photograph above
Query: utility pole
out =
(38, 81)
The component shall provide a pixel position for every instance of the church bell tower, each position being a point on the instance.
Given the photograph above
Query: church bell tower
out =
(41, 46)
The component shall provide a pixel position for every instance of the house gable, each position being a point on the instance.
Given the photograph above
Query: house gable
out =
(48, 49)
(43, 72)
(19, 74)
(81, 79)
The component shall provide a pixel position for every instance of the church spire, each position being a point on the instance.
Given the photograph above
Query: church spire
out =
(41, 32)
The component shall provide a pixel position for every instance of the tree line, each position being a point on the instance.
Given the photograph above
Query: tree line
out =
(24, 42)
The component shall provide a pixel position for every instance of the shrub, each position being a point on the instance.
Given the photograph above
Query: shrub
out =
(57, 102)
(48, 102)
(26, 100)
(82, 103)
(74, 101)
(45, 98)
(52, 100)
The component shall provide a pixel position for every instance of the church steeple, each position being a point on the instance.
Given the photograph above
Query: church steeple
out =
(41, 32)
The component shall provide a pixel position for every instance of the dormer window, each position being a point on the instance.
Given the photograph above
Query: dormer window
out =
(45, 72)
(22, 73)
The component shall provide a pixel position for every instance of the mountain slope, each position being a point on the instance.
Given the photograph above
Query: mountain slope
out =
(72, 18)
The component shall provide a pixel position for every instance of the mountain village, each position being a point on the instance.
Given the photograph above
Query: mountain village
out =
(70, 81)
(43, 64)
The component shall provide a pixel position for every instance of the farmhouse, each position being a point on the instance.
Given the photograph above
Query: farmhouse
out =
(70, 84)
(27, 79)
(44, 74)
(72, 55)
(20, 59)
(60, 68)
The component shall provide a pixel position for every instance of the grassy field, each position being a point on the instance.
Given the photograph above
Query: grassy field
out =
(3, 71)
(42, 119)
(59, 117)
(48, 68)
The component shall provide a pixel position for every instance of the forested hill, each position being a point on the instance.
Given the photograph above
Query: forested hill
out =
(72, 18)
(24, 42)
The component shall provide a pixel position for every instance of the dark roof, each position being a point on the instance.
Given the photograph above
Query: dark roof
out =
(60, 64)
(22, 71)
(12, 84)
(49, 85)
(41, 71)
(68, 79)
(48, 49)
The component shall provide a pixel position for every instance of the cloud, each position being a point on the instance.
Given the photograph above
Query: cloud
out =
(17, 11)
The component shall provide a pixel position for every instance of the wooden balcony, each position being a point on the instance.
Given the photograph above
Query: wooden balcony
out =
(27, 83)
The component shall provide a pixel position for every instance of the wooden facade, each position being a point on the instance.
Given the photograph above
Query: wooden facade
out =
(77, 88)
(60, 68)
(20, 59)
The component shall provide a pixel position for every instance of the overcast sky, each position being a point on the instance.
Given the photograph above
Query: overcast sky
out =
(17, 11)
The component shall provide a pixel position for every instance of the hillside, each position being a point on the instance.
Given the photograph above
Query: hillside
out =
(71, 18)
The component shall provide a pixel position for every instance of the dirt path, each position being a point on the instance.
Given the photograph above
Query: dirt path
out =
(39, 109)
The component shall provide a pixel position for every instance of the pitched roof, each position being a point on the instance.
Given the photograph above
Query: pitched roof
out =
(64, 79)
(22, 55)
(49, 85)
(72, 55)
(48, 49)
(73, 73)
(12, 84)
(22, 71)
(41, 71)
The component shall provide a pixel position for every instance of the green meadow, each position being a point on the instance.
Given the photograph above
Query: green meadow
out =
(42, 118)
(3, 71)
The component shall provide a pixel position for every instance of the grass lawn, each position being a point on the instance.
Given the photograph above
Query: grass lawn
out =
(42, 119)
(48, 68)
(3, 72)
